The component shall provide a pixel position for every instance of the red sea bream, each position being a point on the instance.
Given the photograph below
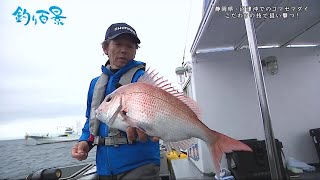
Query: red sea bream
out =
(153, 106)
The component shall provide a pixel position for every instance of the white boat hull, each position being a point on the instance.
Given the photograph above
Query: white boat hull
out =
(49, 140)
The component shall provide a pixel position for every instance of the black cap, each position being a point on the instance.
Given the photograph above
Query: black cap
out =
(121, 28)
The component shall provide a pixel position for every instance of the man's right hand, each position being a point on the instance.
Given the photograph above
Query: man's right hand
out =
(80, 150)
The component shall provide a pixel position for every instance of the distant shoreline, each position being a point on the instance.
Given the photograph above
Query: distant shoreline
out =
(10, 139)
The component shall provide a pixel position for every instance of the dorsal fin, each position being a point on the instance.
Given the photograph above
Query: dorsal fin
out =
(151, 77)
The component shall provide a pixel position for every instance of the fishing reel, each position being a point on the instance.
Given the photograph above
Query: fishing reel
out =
(52, 174)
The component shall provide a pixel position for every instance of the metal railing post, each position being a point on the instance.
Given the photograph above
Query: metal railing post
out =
(272, 151)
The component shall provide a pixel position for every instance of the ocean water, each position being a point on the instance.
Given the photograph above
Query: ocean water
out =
(18, 159)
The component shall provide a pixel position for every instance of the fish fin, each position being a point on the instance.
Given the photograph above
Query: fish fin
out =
(177, 147)
(167, 145)
(114, 116)
(192, 104)
(223, 144)
(130, 120)
(181, 145)
(125, 110)
(185, 144)
(151, 77)
(172, 146)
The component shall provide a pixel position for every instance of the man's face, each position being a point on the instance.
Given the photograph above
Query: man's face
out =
(121, 50)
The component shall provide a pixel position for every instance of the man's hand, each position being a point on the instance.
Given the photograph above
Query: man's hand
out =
(80, 150)
(133, 133)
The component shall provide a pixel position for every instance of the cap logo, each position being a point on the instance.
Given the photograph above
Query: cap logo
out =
(126, 28)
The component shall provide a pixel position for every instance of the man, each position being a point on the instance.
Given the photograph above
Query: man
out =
(120, 155)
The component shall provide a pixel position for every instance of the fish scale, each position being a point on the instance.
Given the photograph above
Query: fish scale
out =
(159, 109)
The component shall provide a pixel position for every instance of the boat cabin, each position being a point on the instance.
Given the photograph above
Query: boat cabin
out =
(255, 71)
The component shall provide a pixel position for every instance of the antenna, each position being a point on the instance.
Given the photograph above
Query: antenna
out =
(185, 43)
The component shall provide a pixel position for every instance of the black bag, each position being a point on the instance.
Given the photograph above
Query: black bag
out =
(315, 133)
(253, 165)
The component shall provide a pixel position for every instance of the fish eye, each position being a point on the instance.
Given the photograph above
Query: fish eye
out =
(108, 99)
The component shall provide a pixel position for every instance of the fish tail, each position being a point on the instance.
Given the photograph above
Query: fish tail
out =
(223, 144)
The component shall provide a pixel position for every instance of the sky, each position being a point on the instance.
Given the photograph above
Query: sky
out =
(46, 68)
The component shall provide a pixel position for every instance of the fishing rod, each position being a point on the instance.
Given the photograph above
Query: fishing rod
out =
(50, 173)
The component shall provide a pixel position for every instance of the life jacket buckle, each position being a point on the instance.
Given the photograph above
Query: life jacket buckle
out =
(110, 140)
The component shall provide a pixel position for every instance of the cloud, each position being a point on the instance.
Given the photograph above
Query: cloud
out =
(39, 103)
